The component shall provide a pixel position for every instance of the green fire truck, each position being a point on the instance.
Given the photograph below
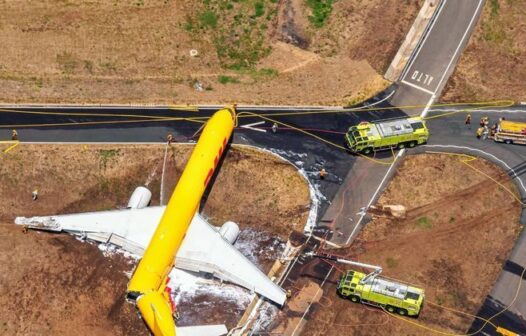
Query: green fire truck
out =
(368, 137)
(393, 296)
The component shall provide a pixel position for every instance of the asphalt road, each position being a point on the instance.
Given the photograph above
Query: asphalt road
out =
(437, 53)
(110, 125)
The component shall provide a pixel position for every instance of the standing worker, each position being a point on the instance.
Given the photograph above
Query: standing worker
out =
(34, 194)
(274, 128)
(170, 138)
(14, 135)
(468, 121)
(323, 173)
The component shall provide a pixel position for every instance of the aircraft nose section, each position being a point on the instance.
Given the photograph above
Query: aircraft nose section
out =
(157, 314)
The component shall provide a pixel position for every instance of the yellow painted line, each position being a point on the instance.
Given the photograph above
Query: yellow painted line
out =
(191, 108)
(15, 143)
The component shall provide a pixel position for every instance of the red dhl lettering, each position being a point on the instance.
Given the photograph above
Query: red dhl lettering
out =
(216, 161)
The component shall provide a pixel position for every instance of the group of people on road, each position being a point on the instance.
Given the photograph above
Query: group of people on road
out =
(484, 131)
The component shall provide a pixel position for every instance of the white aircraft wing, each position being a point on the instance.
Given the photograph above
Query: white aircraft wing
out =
(203, 249)
(130, 229)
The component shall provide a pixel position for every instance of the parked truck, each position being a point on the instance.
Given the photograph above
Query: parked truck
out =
(510, 132)
(367, 137)
(393, 296)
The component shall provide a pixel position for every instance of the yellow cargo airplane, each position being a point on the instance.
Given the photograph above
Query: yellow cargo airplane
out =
(182, 238)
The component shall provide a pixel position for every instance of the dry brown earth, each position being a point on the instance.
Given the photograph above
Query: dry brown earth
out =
(52, 284)
(139, 52)
(494, 64)
(459, 230)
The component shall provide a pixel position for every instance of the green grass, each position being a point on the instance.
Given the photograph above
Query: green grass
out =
(237, 28)
(223, 79)
(424, 223)
(208, 19)
(321, 10)
(495, 7)
(259, 8)
(105, 155)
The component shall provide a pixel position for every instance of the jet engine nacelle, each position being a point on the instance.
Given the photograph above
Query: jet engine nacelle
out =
(229, 231)
(140, 198)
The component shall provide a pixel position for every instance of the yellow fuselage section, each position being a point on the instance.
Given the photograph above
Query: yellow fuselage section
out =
(148, 281)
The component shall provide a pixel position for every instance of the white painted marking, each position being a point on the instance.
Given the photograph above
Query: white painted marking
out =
(418, 87)
(254, 124)
(482, 154)
(523, 103)
(418, 76)
(378, 102)
(442, 5)
(250, 126)
(459, 45)
(426, 109)
(398, 156)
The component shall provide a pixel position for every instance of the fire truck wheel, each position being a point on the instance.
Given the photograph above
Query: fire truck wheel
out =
(355, 299)
(402, 312)
(401, 145)
(509, 142)
(391, 309)
(367, 151)
(412, 144)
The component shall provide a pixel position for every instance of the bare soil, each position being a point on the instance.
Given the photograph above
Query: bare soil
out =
(459, 230)
(52, 284)
(139, 51)
(493, 66)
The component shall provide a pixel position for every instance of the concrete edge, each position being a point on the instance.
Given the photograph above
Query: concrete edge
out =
(411, 41)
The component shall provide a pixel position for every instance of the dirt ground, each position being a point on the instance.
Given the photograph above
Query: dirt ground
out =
(493, 66)
(139, 51)
(52, 284)
(458, 232)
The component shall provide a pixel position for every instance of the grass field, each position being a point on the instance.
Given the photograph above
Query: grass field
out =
(213, 51)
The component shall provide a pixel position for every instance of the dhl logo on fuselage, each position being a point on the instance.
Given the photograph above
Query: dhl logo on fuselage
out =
(216, 161)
